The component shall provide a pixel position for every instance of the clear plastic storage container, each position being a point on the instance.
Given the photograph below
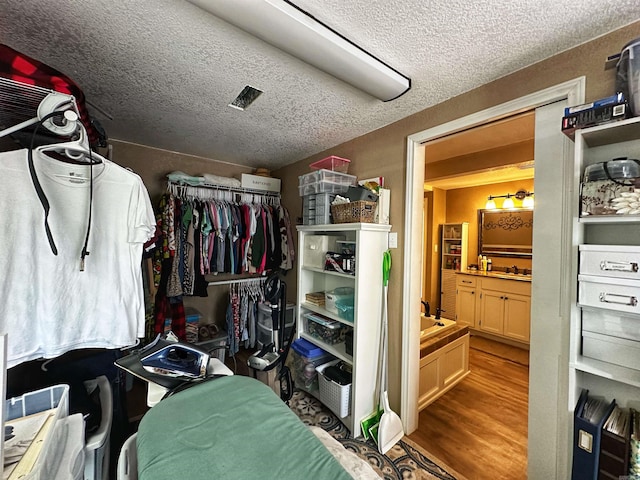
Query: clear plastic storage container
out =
(337, 164)
(628, 75)
(324, 329)
(55, 402)
(619, 169)
(304, 357)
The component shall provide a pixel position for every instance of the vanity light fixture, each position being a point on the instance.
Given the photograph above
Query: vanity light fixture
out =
(508, 202)
(491, 204)
(525, 197)
(292, 30)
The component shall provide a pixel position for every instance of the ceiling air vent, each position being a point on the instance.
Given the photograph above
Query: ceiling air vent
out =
(246, 97)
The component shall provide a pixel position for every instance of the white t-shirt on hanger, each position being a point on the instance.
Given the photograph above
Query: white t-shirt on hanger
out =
(49, 306)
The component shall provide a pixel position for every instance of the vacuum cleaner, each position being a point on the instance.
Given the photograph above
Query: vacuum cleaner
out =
(274, 355)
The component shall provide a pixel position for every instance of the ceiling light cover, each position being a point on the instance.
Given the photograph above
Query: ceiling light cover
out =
(285, 26)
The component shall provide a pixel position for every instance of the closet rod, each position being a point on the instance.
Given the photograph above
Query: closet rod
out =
(226, 188)
(240, 280)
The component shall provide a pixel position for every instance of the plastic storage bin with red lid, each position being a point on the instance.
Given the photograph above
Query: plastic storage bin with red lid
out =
(337, 164)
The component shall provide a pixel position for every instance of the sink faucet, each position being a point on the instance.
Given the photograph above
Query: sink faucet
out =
(515, 269)
(438, 312)
(427, 312)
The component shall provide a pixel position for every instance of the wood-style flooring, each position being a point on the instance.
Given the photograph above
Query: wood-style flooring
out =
(479, 428)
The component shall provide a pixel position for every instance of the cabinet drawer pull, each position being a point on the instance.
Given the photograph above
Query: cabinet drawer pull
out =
(619, 299)
(606, 265)
(466, 281)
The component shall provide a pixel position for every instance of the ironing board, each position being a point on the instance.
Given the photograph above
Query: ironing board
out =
(230, 427)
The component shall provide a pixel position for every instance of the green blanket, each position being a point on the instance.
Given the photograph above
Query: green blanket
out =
(230, 428)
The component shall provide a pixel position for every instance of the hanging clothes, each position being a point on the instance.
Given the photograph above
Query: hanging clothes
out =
(50, 306)
(220, 235)
(242, 314)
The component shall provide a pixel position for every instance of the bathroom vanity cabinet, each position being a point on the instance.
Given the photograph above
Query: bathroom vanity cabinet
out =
(604, 353)
(368, 242)
(505, 308)
(466, 295)
(496, 306)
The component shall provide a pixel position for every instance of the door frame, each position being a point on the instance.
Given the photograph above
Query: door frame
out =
(574, 92)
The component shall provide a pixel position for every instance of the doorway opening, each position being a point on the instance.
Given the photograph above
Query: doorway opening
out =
(548, 425)
(490, 402)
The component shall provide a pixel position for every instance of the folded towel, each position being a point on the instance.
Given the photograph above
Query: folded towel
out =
(224, 181)
(181, 177)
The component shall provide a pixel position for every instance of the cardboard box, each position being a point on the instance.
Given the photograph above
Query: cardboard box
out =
(590, 117)
(258, 182)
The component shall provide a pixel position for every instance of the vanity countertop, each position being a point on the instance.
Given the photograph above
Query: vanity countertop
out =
(439, 340)
(506, 276)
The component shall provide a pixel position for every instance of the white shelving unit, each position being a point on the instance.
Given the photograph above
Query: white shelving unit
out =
(593, 145)
(371, 242)
(453, 252)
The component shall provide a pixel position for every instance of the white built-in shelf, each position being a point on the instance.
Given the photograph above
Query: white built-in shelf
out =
(337, 350)
(326, 313)
(327, 272)
(611, 371)
(616, 132)
(611, 219)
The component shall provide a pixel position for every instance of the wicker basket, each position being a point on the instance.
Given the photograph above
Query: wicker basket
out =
(354, 212)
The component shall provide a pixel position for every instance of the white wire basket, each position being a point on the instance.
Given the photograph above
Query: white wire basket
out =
(335, 396)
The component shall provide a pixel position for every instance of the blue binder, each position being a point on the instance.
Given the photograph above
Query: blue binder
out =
(587, 436)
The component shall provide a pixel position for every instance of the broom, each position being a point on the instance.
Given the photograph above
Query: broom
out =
(369, 424)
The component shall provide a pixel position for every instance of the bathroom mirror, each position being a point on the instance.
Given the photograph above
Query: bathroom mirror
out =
(505, 233)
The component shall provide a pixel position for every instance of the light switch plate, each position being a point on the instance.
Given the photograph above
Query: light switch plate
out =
(393, 239)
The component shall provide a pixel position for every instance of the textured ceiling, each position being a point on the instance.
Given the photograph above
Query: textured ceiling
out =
(165, 70)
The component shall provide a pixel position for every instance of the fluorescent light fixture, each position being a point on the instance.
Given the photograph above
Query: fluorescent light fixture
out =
(285, 26)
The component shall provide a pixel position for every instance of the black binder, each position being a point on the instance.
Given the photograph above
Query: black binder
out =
(587, 435)
(615, 451)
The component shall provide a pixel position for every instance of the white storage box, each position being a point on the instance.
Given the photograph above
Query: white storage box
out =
(258, 182)
(611, 349)
(610, 261)
(335, 396)
(54, 398)
(609, 293)
(612, 324)
(315, 249)
(96, 466)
